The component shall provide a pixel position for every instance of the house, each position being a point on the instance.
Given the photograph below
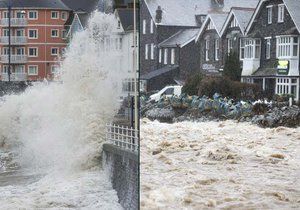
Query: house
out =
(165, 24)
(38, 36)
(272, 47)
(81, 11)
(125, 18)
(233, 31)
(210, 44)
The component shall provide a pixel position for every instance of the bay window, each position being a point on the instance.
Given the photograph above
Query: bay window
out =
(252, 48)
(287, 47)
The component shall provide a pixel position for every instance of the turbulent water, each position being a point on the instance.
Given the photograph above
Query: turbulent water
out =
(51, 135)
(219, 165)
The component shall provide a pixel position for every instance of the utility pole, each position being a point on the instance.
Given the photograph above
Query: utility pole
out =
(136, 110)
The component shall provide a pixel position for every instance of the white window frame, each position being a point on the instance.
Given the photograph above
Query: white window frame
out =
(54, 66)
(144, 26)
(172, 56)
(37, 33)
(242, 49)
(251, 45)
(152, 51)
(207, 42)
(22, 67)
(55, 12)
(64, 34)
(23, 32)
(20, 48)
(281, 13)
(217, 49)
(166, 56)
(146, 51)
(37, 52)
(210, 26)
(160, 55)
(229, 45)
(268, 47)
(57, 30)
(57, 48)
(66, 15)
(233, 23)
(285, 47)
(37, 70)
(5, 14)
(33, 11)
(270, 14)
(151, 26)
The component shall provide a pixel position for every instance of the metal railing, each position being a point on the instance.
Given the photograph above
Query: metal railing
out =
(14, 22)
(14, 59)
(15, 40)
(17, 77)
(123, 137)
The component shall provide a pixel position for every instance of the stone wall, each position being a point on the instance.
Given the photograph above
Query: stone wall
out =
(123, 166)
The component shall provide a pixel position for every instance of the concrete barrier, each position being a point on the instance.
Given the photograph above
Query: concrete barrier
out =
(123, 167)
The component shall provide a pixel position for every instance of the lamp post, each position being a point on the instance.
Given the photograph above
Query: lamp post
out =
(136, 111)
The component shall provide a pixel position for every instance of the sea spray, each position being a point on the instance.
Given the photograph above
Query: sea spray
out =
(61, 125)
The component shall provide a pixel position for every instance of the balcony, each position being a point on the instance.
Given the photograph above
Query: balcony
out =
(14, 22)
(14, 59)
(16, 77)
(15, 40)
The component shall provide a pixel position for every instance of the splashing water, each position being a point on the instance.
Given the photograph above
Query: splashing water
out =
(57, 129)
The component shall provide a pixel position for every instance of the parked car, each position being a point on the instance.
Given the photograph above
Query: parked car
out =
(167, 91)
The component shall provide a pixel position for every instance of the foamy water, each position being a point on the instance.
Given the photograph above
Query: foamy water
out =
(219, 165)
(51, 136)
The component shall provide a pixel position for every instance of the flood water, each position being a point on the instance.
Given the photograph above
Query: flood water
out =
(219, 165)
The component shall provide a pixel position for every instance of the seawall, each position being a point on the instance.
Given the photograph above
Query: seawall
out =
(123, 168)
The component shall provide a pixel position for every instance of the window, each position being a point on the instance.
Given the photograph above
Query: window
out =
(166, 56)
(5, 14)
(33, 33)
(280, 13)
(144, 26)
(159, 55)
(54, 33)
(268, 48)
(152, 51)
(54, 51)
(169, 91)
(33, 52)
(210, 26)
(229, 45)
(5, 32)
(151, 26)
(252, 48)
(242, 49)
(20, 69)
(33, 15)
(217, 49)
(128, 85)
(207, 49)
(287, 46)
(20, 14)
(172, 56)
(270, 15)
(5, 51)
(20, 50)
(54, 69)
(119, 24)
(64, 34)
(233, 23)
(64, 16)
(146, 52)
(20, 32)
(33, 70)
(54, 15)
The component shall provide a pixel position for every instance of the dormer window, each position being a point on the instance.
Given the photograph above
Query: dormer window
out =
(270, 15)
(280, 13)
(210, 26)
(119, 24)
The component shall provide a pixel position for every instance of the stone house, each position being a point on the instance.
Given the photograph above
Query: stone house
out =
(272, 47)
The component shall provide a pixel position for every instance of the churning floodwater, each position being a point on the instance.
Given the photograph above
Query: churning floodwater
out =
(51, 135)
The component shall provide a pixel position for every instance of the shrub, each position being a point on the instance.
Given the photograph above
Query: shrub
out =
(192, 84)
(232, 67)
(228, 88)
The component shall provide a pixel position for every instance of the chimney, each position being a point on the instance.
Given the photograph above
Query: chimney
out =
(158, 16)
(217, 4)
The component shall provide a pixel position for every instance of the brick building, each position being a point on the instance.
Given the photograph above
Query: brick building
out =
(38, 38)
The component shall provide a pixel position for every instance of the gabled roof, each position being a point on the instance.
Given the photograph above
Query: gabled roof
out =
(180, 39)
(183, 12)
(126, 18)
(43, 4)
(86, 6)
(242, 16)
(293, 7)
(217, 19)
